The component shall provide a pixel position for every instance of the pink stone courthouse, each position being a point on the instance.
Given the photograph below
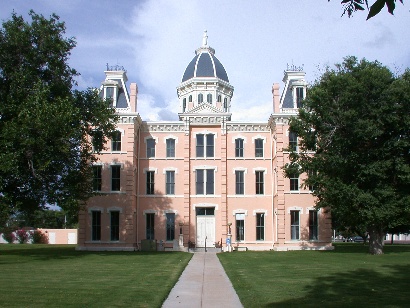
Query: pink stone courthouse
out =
(205, 180)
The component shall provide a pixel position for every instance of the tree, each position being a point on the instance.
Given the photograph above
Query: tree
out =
(45, 124)
(351, 6)
(354, 134)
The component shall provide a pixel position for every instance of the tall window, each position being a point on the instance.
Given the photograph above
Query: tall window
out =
(97, 140)
(225, 104)
(205, 142)
(95, 225)
(294, 181)
(115, 226)
(259, 147)
(294, 225)
(200, 98)
(240, 182)
(149, 226)
(260, 226)
(209, 98)
(219, 99)
(116, 141)
(170, 147)
(170, 226)
(115, 177)
(150, 182)
(184, 105)
(259, 182)
(299, 97)
(97, 180)
(170, 182)
(293, 141)
(240, 227)
(313, 225)
(239, 147)
(204, 181)
(150, 147)
(190, 99)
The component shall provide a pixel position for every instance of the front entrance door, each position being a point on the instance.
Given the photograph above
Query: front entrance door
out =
(205, 227)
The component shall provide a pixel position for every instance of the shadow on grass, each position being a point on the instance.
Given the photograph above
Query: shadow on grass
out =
(55, 252)
(363, 287)
(364, 248)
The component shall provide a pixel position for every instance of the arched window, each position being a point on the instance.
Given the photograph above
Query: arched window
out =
(190, 99)
(200, 98)
(209, 98)
(219, 99)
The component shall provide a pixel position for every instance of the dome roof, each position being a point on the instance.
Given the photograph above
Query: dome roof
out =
(205, 64)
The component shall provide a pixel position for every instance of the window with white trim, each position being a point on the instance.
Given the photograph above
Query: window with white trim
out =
(115, 225)
(294, 225)
(260, 226)
(239, 147)
(239, 182)
(150, 147)
(240, 227)
(170, 227)
(116, 141)
(97, 178)
(294, 182)
(204, 181)
(259, 181)
(313, 225)
(205, 145)
(170, 144)
(150, 182)
(293, 141)
(259, 147)
(170, 182)
(115, 177)
(150, 226)
(96, 225)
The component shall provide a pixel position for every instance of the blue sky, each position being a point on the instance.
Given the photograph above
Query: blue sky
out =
(255, 40)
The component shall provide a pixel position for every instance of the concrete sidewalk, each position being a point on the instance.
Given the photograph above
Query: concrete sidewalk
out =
(203, 283)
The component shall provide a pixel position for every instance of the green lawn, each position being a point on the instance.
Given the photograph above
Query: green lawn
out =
(57, 276)
(345, 277)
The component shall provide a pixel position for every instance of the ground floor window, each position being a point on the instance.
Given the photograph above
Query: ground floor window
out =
(240, 227)
(260, 226)
(294, 225)
(95, 225)
(170, 226)
(313, 225)
(150, 222)
(115, 226)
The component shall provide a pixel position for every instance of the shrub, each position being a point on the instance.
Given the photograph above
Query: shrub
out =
(39, 237)
(22, 236)
(9, 236)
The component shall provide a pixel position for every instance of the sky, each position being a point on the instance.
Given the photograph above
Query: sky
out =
(154, 40)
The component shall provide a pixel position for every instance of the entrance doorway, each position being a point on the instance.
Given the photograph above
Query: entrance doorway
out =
(205, 226)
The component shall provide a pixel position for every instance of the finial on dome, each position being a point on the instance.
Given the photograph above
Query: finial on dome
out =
(205, 39)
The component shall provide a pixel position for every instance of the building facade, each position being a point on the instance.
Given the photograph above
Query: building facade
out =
(204, 180)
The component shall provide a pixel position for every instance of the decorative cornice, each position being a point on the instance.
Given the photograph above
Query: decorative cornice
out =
(162, 127)
(247, 127)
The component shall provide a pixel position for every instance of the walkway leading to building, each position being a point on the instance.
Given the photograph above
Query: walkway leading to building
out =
(203, 283)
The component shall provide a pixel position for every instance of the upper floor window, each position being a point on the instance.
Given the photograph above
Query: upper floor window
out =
(150, 182)
(204, 181)
(115, 177)
(294, 181)
(190, 99)
(109, 95)
(299, 97)
(200, 98)
(170, 182)
(293, 141)
(170, 143)
(259, 147)
(184, 105)
(97, 140)
(150, 147)
(209, 98)
(225, 104)
(205, 145)
(239, 182)
(97, 179)
(116, 141)
(259, 182)
(239, 147)
(219, 99)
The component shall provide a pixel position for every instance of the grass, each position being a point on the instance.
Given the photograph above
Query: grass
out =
(57, 276)
(345, 277)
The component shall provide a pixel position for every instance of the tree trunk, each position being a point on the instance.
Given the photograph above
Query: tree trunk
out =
(376, 240)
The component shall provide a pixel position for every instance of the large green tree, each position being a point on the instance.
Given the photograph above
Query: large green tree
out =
(351, 6)
(45, 124)
(354, 135)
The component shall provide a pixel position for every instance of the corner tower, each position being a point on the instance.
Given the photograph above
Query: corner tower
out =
(205, 81)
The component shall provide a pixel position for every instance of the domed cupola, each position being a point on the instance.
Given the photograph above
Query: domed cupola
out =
(205, 81)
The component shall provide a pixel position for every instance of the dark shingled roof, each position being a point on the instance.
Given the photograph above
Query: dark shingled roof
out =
(205, 64)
